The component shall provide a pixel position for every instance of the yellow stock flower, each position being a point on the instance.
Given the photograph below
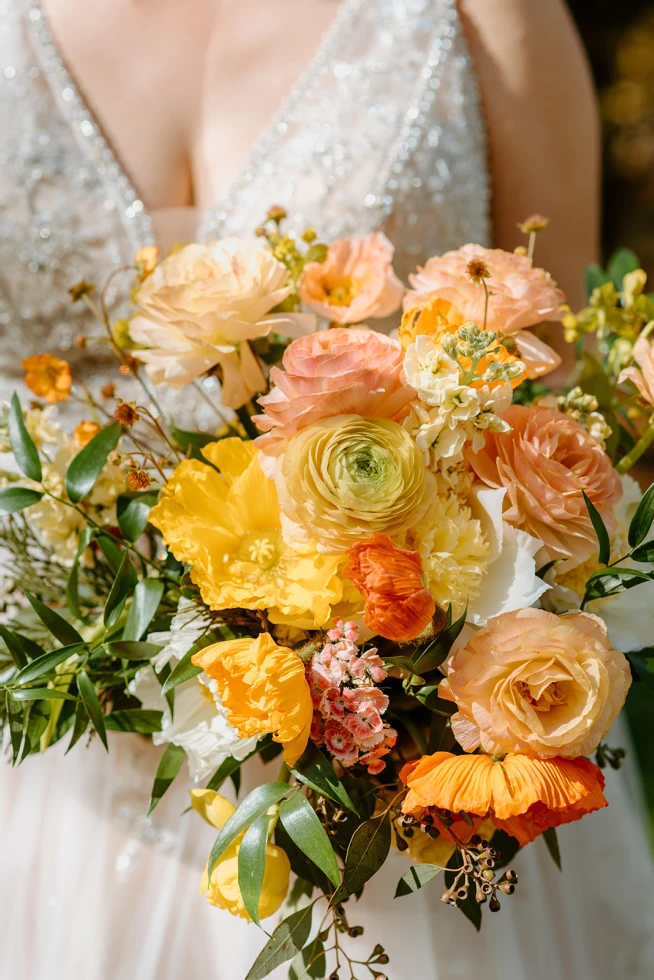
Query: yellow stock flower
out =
(223, 889)
(227, 526)
(264, 689)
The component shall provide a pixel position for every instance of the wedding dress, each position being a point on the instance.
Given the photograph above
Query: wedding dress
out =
(383, 130)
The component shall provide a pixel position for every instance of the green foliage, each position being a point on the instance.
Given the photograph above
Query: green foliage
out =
(118, 593)
(145, 602)
(250, 809)
(316, 771)
(600, 530)
(60, 628)
(288, 938)
(140, 720)
(14, 499)
(92, 704)
(552, 842)
(367, 852)
(47, 663)
(641, 522)
(417, 876)
(132, 512)
(469, 906)
(304, 828)
(87, 465)
(168, 768)
(22, 445)
(252, 864)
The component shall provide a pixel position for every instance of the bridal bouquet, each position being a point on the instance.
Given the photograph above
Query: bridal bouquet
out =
(402, 565)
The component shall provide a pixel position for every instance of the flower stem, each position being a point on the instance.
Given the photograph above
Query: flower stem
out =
(634, 454)
(247, 423)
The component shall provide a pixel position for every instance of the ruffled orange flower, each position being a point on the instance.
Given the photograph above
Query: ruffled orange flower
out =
(48, 377)
(398, 606)
(522, 795)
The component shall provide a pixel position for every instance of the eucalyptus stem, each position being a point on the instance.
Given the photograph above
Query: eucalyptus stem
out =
(637, 451)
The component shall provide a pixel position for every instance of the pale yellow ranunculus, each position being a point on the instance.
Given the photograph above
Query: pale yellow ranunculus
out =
(223, 890)
(227, 526)
(346, 477)
(264, 689)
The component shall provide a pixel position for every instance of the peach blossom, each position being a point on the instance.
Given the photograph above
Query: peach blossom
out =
(356, 281)
(536, 683)
(334, 372)
(643, 375)
(545, 462)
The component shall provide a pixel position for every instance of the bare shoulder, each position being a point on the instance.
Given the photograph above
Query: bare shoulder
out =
(543, 126)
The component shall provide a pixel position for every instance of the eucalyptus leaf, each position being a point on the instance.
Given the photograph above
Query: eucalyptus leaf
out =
(60, 628)
(417, 876)
(290, 936)
(89, 462)
(22, 444)
(600, 530)
(642, 520)
(250, 809)
(305, 830)
(145, 602)
(252, 864)
(168, 768)
(310, 962)
(132, 512)
(367, 852)
(316, 771)
(92, 705)
(14, 499)
(231, 766)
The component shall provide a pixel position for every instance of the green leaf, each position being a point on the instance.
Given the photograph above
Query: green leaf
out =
(92, 705)
(169, 765)
(47, 662)
(620, 264)
(314, 770)
(58, 626)
(141, 720)
(252, 865)
(436, 651)
(38, 693)
(289, 937)
(606, 583)
(15, 714)
(72, 585)
(304, 828)
(37, 722)
(310, 962)
(80, 726)
(132, 511)
(431, 699)
(600, 530)
(112, 552)
(13, 499)
(367, 852)
(642, 668)
(86, 467)
(23, 447)
(552, 841)
(417, 876)
(184, 670)
(251, 808)
(301, 866)
(189, 441)
(30, 648)
(14, 646)
(147, 596)
(118, 593)
(644, 553)
(641, 522)
(548, 566)
(594, 276)
(131, 650)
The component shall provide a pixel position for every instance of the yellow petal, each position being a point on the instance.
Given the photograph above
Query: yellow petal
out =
(231, 456)
(212, 807)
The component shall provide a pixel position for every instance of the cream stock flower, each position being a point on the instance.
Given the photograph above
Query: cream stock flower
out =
(346, 477)
(202, 305)
(536, 683)
(355, 282)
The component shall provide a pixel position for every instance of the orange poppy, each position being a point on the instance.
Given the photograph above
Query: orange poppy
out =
(48, 377)
(523, 795)
(398, 606)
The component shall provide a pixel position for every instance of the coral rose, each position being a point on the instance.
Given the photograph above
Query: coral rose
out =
(398, 606)
(520, 296)
(356, 281)
(643, 375)
(201, 306)
(333, 372)
(223, 890)
(545, 462)
(264, 689)
(537, 683)
(48, 377)
(344, 478)
(522, 795)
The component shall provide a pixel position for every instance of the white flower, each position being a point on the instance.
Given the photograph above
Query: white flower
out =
(186, 627)
(202, 305)
(430, 370)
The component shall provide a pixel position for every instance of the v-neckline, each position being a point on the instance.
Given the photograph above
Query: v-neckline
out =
(89, 132)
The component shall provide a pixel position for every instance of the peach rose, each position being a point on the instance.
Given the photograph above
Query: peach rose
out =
(545, 462)
(356, 281)
(521, 296)
(536, 683)
(643, 375)
(352, 371)
(398, 606)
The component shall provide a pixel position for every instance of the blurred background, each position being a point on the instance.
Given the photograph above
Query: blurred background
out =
(619, 38)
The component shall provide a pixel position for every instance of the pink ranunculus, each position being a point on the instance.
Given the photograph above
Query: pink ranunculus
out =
(544, 463)
(521, 295)
(643, 375)
(355, 282)
(335, 372)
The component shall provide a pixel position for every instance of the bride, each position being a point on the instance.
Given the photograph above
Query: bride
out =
(136, 121)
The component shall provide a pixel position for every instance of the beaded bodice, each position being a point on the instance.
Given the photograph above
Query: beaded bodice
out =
(383, 131)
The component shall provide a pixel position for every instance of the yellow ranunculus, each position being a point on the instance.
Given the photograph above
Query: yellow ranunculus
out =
(346, 477)
(227, 526)
(223, 889)
(264, 689)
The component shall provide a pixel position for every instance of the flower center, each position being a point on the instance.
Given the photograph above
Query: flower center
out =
(551, 697)
(260, 547)
(342, 292)
(366, 466)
